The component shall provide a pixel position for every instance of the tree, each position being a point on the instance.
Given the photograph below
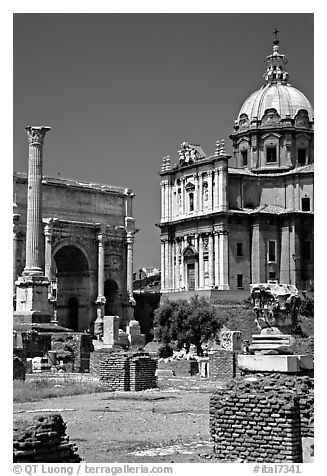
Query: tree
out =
(187, 323)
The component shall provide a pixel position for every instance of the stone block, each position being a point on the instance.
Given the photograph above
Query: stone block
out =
(268, 363)
(231, 340)
(110, 330)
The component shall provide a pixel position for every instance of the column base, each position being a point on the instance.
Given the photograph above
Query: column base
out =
(32, 305)
(223, 287)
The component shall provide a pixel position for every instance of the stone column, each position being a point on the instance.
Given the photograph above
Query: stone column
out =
(32, 304)
(101, 300)
(295, 257)
(171, 265)
(196, 264)
(201, 263)
(48, 232)
(162, 265)
(223, 259)
(216, 245)
(130, 243)
(211, 262)
(34, 239)
(15, 240)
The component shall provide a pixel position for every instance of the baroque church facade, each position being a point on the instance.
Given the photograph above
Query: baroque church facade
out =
(229, 221)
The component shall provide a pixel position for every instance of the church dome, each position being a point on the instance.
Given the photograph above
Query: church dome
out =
(286, 99)
(277, 93)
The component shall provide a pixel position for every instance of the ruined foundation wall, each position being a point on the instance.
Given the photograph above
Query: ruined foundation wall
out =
(222, 365)
(256, 427)
(245, 417)
(43, 440)
(122, 370)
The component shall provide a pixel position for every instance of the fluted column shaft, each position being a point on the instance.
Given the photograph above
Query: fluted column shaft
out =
(34, 239)
(130, 242)
(100, 238)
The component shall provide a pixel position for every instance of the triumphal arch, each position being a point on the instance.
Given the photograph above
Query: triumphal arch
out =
(86, 248)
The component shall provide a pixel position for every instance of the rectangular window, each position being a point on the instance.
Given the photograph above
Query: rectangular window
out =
(272, 251)
(239, 280)
(305, 204)
(239, 249)
(271, 154)
(306, 250)
(191, 196)
(301, 156)
(272, 276)
(244, 157)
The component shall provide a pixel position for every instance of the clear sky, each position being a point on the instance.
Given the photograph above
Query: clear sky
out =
(121, 91)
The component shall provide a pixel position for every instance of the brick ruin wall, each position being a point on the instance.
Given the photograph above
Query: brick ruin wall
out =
(262, 420)
(43, 440)
(123, 370)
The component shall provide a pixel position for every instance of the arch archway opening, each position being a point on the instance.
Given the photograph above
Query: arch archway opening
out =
(73, 287)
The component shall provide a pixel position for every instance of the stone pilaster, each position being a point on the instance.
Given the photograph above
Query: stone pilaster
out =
(196, 193)
(162, 185)
(211, 261)
(34, 239)
(177, 270)
(223, 260)
(258, 255)
(209, 190)
(201, 263)
(216, 246)
(215, 189)
(285, 265)
(163, 281)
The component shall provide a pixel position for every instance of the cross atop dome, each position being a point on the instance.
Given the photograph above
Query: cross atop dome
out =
(276, 40)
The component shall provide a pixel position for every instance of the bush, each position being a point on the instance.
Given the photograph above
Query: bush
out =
(307, 307)
(165, 351)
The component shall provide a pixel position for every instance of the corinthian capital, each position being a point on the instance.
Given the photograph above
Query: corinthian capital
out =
(36, 134)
